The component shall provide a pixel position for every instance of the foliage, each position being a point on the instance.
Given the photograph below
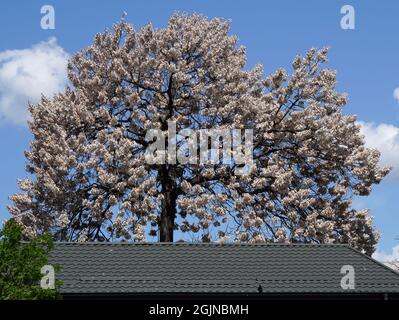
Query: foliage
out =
(20, 264)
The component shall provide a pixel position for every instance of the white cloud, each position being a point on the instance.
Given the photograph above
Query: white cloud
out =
(385, 138)
(385, 257)
(396, 94)
(26, 74)
(389, 259)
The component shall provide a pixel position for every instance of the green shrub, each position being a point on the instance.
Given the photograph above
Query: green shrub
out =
(21, 263)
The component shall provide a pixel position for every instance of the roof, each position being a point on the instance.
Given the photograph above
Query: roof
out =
(155, 268)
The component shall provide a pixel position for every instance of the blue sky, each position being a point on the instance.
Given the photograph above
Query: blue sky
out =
(367, 61)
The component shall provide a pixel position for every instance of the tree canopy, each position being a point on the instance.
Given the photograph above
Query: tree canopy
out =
(21, 264)
(91, 180)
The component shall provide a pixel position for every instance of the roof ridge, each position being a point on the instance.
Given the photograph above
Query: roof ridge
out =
(202, 244)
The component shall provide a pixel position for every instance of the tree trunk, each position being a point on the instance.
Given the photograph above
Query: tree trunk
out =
(168, 211)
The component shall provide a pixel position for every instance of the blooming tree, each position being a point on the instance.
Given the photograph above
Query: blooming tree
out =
(91, 180)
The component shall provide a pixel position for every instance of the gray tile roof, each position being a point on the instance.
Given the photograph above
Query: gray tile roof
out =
(215, 268)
